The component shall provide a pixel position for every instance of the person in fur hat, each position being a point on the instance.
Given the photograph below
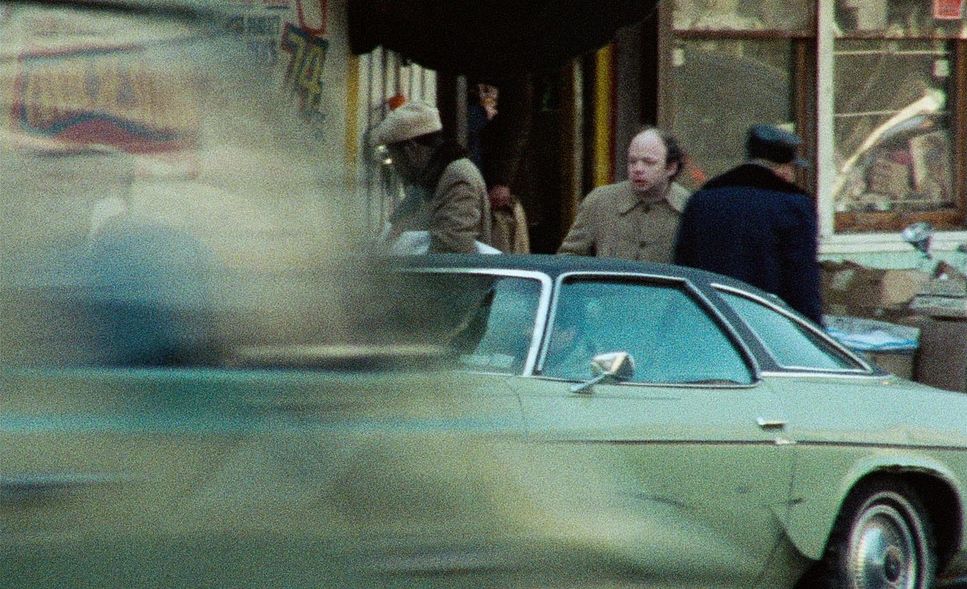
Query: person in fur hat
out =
(448, 196)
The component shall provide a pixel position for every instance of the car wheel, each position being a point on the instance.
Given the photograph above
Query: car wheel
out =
(883, 538)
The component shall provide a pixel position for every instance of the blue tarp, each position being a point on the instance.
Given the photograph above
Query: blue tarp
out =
(869, 335)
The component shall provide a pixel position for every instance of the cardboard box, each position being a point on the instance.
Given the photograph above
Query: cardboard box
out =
(942, 356)
(850, 289)
(898, 363)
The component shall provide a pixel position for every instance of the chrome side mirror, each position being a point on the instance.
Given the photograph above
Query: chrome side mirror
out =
(608, 368)
(919, 235)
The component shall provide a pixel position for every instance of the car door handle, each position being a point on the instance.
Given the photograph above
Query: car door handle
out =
(771, 423)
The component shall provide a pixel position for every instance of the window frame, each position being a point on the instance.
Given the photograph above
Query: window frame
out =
(543, 305)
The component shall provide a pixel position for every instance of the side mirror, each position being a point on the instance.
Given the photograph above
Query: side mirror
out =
(608, 368)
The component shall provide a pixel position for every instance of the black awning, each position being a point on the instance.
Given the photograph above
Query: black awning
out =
(490, 38)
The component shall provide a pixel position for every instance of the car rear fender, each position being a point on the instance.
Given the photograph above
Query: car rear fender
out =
(815, 503)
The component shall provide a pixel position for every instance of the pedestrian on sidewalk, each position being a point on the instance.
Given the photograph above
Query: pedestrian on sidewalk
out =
(448, 197)
(499, 121)
(637, 218)
(753, 223)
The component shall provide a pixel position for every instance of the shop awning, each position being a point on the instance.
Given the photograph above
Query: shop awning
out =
(490, 38)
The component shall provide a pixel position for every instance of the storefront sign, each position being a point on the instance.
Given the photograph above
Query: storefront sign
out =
(100, 98)
(306, 65)
(948, 9)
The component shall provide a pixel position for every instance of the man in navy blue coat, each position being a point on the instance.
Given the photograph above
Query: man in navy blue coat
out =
(754, 224)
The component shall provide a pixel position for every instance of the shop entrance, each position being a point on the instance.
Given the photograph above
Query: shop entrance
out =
(548, 173)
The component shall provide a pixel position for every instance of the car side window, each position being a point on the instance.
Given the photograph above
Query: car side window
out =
(790, 343)
(484, 322)
(671, 337)
(504, 338)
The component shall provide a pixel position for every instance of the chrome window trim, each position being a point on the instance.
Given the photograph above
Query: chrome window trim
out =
(793, 373)
(664, 385)
(543, 304)
(865, 367)
(710, 306)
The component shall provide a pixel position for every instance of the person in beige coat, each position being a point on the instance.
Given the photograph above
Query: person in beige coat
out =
(635, 219)
(447, 195)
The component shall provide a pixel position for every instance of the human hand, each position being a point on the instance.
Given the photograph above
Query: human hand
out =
(488, 99)
(499, 196)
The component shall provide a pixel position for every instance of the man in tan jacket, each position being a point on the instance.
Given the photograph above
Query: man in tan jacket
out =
(448, 197)
(635, 219)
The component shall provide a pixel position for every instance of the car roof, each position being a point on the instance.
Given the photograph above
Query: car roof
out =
(555, 265)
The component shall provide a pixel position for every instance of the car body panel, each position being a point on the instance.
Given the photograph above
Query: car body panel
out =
(693, 454)
(871, 422)
(881, 425)
(156, 466)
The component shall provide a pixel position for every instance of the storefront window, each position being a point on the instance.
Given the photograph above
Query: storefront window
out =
(723, 86)
(899, 69)
(892, 126)
(733, 63)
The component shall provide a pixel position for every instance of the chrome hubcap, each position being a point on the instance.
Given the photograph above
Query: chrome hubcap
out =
(884, 552)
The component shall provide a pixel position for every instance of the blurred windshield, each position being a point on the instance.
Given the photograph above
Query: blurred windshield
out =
(163, 196)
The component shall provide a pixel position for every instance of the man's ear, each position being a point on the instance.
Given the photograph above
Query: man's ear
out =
(672, 168)
(786, 171)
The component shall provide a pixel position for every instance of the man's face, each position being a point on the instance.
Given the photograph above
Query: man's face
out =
(405, 159)
(647, 169)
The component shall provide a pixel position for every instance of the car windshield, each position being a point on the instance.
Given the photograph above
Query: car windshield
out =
(168, 190)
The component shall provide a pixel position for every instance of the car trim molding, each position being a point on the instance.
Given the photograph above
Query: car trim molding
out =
(820, 373)
(882, 446)
(664, 385)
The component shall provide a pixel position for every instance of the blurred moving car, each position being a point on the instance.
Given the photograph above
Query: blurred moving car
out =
(186, 396)
(496, 421)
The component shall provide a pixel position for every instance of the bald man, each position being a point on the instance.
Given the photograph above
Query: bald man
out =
(635, 219)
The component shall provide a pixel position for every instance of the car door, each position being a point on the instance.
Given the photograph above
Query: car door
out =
(689, 449)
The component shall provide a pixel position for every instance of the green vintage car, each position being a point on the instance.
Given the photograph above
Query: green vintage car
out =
(771, 452)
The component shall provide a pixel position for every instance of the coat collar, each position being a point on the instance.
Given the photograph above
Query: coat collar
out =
(752, 176)
(439, 159)
(629, 199)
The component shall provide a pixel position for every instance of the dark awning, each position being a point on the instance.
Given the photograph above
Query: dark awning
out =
(489, 38)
